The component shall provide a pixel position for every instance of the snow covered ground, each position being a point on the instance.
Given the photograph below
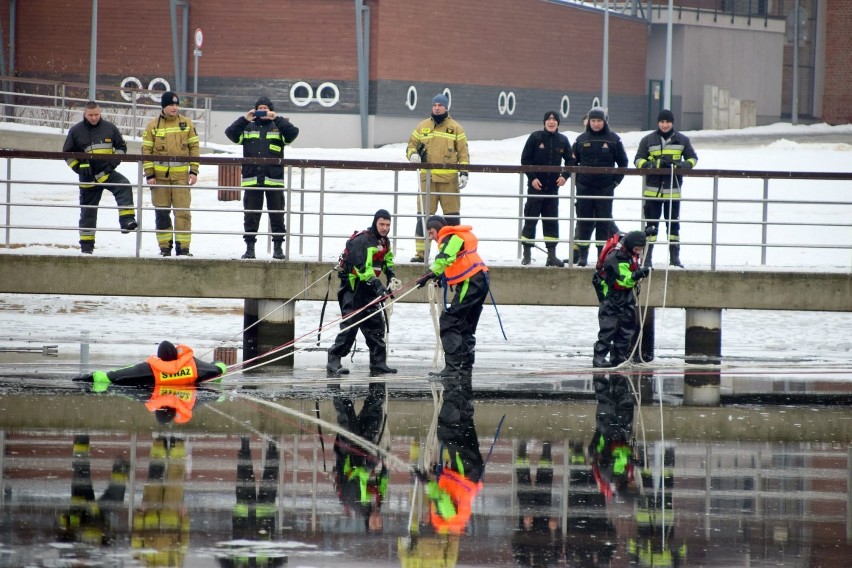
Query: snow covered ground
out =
(125, 329)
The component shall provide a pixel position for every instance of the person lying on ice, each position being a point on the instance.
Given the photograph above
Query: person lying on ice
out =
(170, 366)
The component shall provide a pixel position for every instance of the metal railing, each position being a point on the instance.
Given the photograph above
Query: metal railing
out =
(730, 219)
(60, 105)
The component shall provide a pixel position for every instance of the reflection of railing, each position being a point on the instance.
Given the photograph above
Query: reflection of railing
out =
(730, 218)
(757, 10)
(59, 105)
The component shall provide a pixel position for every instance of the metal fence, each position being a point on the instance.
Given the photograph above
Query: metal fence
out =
(729, 219)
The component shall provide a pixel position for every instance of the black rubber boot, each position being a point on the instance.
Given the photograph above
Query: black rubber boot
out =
(381, 369)
(334, 366)
(249, 254)
(601, 351)
(181, 250)
(87, 247)
(674, 256)
(278, 251)
(127, 223)
(647, 260)
(583, 258)
(551, 257)
(526, 259)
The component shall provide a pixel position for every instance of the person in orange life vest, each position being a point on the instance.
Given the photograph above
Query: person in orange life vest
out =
(460, 478)
(367, 255)
(170, 366)
(460, 265)
(360, 476)
(617, 310)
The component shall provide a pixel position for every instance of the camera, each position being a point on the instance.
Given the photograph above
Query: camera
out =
(260, 113)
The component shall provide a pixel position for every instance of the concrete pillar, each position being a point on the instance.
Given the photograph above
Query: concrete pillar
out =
(276, 328)
(703, 345)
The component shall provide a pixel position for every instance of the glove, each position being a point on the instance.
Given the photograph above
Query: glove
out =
(462, 180)
(641, 273)
(414, 158)
(649, 164)
(685, 165)
(423, 280)
(390, 274)
(87, 175)
(379, 288)
(651, 231)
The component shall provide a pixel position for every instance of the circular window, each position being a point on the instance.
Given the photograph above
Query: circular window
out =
(133, 83)
(411, 98)
(510, 103)
(152, 86)
(565, 106)
(328, 94)
(301, 94)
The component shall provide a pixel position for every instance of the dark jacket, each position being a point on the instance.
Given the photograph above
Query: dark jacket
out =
(618, 280)
(545, 148)
(367, 255)
(262, 139)
(103, 138)
(599, 150)
(651, 149)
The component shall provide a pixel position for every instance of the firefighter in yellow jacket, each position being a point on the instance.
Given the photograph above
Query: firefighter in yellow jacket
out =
(171, 134)
(441, 140)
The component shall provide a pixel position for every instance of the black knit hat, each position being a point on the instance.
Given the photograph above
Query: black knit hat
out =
(597, 112)
(551, 113)
(167, 351)
(436, 222)
(666, 115)
(264, 101)
(634, 239)
(169, 98)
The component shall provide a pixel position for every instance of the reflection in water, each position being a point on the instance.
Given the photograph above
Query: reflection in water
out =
(360, 487)
(569, 483)
(161, 525)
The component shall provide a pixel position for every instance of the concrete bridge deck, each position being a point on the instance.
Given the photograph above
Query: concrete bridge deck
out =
(512, 285)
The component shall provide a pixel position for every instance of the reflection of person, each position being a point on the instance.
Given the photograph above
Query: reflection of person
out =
(596, 147)
(171, 134)
(610, 449)
(441, 140)
(537, 523)
(655, 543)
(263, 134)
(664, 148)
(546, 147)
(366, 256)
(98, 136)
(88, 520)
(617, 309)
(459, 265)
(160, 534)
(170, 366)
(459, 475)
(360, 477)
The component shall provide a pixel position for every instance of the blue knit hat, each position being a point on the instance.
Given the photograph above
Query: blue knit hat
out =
(441, 99)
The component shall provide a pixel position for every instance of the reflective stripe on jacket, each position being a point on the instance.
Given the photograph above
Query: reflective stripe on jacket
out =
(181, 371)
(170, 136)
(445, 143)
(102, 138)
(654, 147)
(262, 139)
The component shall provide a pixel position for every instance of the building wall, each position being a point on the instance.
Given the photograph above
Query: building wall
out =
(745, 59)
(837, 100)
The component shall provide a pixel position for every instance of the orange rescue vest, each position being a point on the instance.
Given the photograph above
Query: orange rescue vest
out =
(462, 491)
(468, 262)
(181, 371)
(173, 396)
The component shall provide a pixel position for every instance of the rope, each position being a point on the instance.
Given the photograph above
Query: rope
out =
(435, 312)
(233, 337)
(377, 300)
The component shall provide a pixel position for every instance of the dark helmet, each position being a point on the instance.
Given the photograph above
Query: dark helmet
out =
(634, 239)
(165, 414)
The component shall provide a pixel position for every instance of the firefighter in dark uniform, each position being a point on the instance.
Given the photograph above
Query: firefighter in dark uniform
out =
(263, 134)
(597, 147)
(366, 256)
(546, 147)
(98, 136)
(664, 148)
